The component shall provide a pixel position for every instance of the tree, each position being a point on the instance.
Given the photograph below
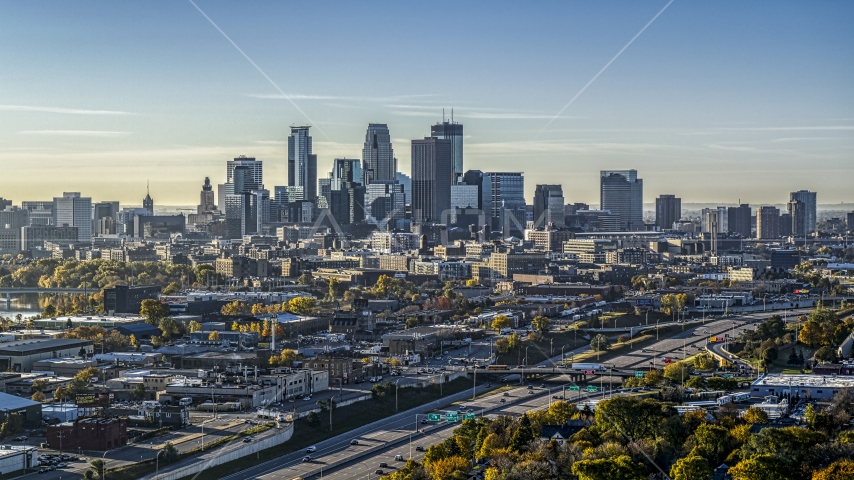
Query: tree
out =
(169, 327)
(811, 333)
(234, 309)
(713, 442)
(599, 343)
(501, 321)
(616, 468)
(838, 470)
(214, 336)
(313, 419)
(195, 326)
(288, 357)
(59, 394)
(302, 305)
(97, 468)
(411, 322)
(638, 418)
(170, 453)
(770, 354)
(305, 279)
(755, 415)
(138, 392)
(677, 372)
(153, 311)
(825, 354)
(693, 467)
(447, 468)
(759, 467)
(502, 345)
(38, 397)
(541, 324)
(132, 341)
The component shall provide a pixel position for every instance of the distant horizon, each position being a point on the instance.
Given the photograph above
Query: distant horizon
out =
(708, 101)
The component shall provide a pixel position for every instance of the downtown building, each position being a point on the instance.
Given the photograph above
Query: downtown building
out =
(809, 216)
(621, 193)
(302, 163)
(454, 132)
(378, 162)
(549, 206)
(72, 210)
(768, 222)
(432, 167)
(668, 210)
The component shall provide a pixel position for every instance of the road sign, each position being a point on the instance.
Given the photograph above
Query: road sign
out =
(451, 417)
(639, 374)
(574, 388)
(434, 417)
(468, 416)
(589, 372)
(591, 388)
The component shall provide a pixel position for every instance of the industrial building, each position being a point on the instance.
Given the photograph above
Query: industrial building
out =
(89, 434)
(822, 387)
(13, 458)
(20, 355)
(32, 411)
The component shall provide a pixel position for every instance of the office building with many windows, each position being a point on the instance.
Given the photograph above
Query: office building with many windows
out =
(621, 192)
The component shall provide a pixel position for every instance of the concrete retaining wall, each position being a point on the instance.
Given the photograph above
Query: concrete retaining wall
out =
(220, 455)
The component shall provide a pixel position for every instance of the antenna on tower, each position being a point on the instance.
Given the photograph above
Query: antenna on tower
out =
(452, 115)
(443, 115)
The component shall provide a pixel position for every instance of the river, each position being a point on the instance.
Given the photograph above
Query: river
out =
(26, 305)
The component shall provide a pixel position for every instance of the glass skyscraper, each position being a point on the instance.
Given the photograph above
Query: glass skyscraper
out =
(621, 192)
(378, 162)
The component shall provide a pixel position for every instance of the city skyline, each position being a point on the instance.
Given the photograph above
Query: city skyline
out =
(708, 103)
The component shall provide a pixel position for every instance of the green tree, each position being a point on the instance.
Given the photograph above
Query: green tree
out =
(825, 354)
(153, 311)
(313, 419)
(38, 397)
(501, 321)
(138, 392)
(677, 372)
(411, 322)
(616, 468)
(305, 279)
(541, 324)
(713, 442)
(637, 418)
(599, 343)
(302, 305)
(169, 327)
(755, 415)
(759, 467)
(194, 326)
(693, 467)
(839, 470)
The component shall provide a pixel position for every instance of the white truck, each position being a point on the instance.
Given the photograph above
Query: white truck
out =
(505, 331)
(588, 366)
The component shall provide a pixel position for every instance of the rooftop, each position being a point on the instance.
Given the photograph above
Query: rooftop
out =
(23, 347)
(829, 381)
(11, 402)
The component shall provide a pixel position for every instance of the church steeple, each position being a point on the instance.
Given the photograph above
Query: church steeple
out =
(147, 202)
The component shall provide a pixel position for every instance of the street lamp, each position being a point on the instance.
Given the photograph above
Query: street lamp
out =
(157, 463)
(104, 466)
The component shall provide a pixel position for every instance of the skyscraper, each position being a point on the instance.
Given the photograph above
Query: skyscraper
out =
(453, 132)
(148, 202)
(206, 198)
(548, 206)
(739, 220)
(809, 200)
(378, 162)
(668, 209)
(621, 192)
(502, 200)
(72, 210)
(798, 211)
(768, 222)
(431, 172)
(302, 164)
(345, 170)
(715, 219)
(255, 167)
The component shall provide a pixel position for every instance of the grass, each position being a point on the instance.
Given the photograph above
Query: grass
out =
(344, 419)
(542, 350)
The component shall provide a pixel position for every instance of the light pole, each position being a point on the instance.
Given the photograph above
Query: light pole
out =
(474, 384)
(104, 466)
(562, 358)
(157, 464)
(396, 388)
(656, 330)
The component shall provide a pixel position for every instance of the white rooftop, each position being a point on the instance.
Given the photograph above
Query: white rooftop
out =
(784, 380)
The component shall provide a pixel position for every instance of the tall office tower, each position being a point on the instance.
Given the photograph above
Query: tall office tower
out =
(72, 210)
(850, 222)
(548, 206)
(5, 203)
(465, 196)
(243, 181)
(621, 192)
(206, 198)
(255, 167)
(768, 222)
(345, 170)
(798, 210)
(104, 217)
(378, 162)
(739, 220)
(384, 202)
(785, 225)
(406, 181)
(668, 209)
(347, 204)
(809, 201)
(283, 197)
(324, 192)
(235, 216)
(302, 164)
(454, 132)
(503, 201)
(432, 165)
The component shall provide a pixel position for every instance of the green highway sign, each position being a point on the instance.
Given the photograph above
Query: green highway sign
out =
(639, 374)
(591, 388)
(468, 416)
(434, 417)
(451, 416)
(574, 388)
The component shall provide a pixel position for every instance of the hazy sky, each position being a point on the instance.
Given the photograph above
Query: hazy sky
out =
(713, 102)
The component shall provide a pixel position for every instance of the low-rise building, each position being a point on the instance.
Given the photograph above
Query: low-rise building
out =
(800, 386)
(19, 356)
(15, 457)
(89, 434)
(32, 411)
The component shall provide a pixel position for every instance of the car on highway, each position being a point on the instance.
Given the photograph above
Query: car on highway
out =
(247, 440)
(354, 442)
(383, 465)
(503, 400)
(506, 394)
(398, 458)
(543, 366)
(307, 458)
(378, 471)
(311, 449)
(419, 448)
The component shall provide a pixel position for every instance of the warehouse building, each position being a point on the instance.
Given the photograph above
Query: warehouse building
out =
(20, 355)
(13, 458)
(32, 411)
(819, 387)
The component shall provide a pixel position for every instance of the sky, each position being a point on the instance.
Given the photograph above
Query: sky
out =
(712, 101)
